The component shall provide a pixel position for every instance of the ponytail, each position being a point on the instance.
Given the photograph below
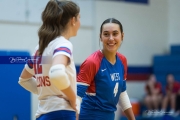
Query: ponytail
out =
(55, 18)
(51, 27)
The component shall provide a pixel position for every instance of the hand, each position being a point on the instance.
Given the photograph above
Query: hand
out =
(70, 96)
(64, 97)
(77, 116)
(72, 102)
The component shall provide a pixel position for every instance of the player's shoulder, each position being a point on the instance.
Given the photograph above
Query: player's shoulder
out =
(60, 41)
(121, 56)
(59, 44)
(95, 57)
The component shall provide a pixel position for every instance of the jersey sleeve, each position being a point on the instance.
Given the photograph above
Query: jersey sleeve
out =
(63, 49)
(125, 73)
(86, 73)
(124, 62)
(85, 76)
(125, 68)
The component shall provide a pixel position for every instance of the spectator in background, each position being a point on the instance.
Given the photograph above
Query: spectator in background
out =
(171, 91)
(153, 96)
(178, 102)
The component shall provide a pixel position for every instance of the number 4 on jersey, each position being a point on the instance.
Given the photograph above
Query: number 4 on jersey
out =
(116, 89)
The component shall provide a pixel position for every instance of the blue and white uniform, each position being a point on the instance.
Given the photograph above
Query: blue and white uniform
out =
(100, 84)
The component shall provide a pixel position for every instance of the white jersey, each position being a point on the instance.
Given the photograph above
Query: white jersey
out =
(48, 93)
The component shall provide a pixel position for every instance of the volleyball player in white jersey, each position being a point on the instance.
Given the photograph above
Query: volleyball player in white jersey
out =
(52, 66)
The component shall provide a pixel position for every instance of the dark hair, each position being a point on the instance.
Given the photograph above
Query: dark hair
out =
(55, 17)
(112, 20)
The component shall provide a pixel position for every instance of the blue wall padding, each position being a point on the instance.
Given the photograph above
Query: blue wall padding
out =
(166, 64)
(175, 49)
(15, 102)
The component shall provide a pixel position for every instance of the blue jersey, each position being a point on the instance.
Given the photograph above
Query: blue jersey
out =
(100, 82)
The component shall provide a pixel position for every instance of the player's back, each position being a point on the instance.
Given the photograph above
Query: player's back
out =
(47, 92)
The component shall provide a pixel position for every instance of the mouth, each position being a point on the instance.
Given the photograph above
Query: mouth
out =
(111, 44)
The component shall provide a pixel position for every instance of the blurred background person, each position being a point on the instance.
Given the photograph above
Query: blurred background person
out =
(153, 96)
(178, 101)
(171, 91)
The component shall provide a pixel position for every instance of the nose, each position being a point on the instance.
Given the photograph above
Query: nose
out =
(111, 37)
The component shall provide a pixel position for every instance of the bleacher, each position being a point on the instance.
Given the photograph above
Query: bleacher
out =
(165, 64)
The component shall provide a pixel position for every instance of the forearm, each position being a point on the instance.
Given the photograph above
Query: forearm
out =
(70, 94)
(125, 104)
(29, 84)
(129, 114)
(25, 74)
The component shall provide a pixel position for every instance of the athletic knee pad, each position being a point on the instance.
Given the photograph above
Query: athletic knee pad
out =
(58, 76)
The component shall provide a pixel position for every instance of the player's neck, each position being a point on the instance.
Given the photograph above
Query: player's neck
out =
(111, 57)
(66, 34)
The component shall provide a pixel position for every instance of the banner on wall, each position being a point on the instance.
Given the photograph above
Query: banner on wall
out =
(136, 1)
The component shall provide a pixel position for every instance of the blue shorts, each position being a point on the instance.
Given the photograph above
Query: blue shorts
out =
(58, 115)
(95, 115)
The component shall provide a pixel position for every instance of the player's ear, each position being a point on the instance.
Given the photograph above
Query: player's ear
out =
(100, 37)
(73, 21)
(122, 36)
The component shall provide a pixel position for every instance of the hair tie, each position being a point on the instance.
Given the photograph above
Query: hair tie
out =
(61, 3)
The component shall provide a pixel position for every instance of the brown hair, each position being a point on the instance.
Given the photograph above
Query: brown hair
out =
(112, 20)
(55, 17)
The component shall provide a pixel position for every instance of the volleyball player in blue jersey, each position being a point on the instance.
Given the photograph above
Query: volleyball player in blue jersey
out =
(102, 77)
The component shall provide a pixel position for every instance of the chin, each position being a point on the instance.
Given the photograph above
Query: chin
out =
(112, 50)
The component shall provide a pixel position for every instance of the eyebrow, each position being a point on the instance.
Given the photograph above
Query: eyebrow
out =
(113, 31)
